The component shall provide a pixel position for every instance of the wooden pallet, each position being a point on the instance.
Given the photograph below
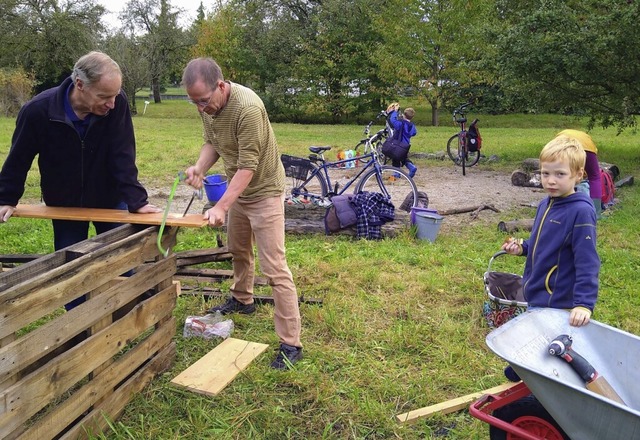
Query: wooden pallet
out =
(108, 215)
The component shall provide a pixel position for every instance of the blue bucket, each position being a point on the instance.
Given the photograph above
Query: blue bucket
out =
(428, 225)
(215, 185)
(415, 210)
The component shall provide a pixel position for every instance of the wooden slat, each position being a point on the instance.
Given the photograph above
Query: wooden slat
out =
(450, 405)
(108, 215)
(47, 291)
(215, 370)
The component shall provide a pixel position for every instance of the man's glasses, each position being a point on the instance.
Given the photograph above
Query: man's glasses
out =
(201, 103)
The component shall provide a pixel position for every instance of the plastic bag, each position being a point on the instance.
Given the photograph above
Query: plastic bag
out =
(208, 326)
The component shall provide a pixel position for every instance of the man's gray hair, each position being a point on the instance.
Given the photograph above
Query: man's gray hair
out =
(202, 69)
(93, 66)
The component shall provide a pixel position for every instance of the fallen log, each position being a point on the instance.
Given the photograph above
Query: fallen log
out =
(627, 181)
(516, 225)
(473, 209)
(310, 220)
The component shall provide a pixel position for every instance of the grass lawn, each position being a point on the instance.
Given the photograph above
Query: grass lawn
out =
(400, 327)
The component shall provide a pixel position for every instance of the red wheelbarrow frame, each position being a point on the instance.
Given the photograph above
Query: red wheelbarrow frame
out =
(483, 408)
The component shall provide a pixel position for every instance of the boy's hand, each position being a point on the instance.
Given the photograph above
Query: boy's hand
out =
(394, 106)
(512, 246)
(579, 316)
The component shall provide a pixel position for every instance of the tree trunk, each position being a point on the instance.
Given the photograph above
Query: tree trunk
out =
(155, 89)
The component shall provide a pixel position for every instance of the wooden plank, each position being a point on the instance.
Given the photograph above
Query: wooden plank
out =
(107, 215)
(215, 370)
(450, 405)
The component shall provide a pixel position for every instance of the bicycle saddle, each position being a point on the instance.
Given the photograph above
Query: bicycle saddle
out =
(318, 150)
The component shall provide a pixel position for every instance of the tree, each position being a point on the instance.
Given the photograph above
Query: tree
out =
(130, 55)
(574, 56)
(431, 46)
(46, 38)
(164, 42)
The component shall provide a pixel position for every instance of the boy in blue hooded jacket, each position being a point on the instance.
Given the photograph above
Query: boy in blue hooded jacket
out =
(562, 264)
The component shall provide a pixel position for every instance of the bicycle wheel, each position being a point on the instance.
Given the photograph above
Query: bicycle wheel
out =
(393, 182)
(472, 157)
(361, 149)
(381, 158)
(312, 189)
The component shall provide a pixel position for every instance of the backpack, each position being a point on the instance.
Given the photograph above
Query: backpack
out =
(340, 215)
(395, 148)
(608, 187)
(473, 135)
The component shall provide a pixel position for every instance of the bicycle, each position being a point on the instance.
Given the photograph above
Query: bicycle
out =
(458, 147)
(316, 180)
(374, 143)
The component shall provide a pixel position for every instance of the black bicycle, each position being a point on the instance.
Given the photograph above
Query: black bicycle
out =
(463, 147)
(315, 180)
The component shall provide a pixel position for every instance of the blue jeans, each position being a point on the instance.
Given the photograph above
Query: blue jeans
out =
(70, 232)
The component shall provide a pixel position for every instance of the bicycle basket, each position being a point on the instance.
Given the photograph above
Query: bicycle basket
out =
(506, 299)
(296, 167)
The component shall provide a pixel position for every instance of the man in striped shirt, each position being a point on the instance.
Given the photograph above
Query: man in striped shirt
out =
(237, 129)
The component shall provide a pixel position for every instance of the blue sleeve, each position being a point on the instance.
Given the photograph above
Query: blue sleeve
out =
(393, 120)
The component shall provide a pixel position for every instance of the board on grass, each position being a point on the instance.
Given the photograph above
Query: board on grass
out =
(450, 405)
(215, 370)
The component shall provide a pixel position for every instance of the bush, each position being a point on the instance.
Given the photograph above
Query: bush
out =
(16, 88)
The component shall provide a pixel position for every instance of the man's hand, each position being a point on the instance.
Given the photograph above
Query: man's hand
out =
(216, 216)
(195, 177)
(148, 209)
(6, 211)
(579, 316)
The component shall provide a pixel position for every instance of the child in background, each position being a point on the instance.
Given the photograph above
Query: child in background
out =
(562, 266)
(592, 166)
(408, 131)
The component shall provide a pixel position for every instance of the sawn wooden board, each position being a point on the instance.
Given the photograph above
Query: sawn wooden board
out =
(108, 215)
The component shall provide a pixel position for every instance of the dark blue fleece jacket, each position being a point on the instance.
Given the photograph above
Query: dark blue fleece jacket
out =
(98, 171)
(562, 261)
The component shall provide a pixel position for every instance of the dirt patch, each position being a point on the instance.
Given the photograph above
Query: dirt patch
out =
(448, 189)
(445, 186)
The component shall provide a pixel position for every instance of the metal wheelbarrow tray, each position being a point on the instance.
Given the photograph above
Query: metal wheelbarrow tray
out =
(582, 414)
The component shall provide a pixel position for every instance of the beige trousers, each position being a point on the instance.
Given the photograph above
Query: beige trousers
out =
(262, 222)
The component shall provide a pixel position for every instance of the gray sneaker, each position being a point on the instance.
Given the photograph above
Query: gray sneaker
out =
(287, 356)
(233, 306)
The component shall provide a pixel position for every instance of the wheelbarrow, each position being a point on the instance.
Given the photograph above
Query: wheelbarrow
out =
(552, 401)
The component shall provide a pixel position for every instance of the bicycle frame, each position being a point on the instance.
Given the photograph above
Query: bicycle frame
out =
(322, 171)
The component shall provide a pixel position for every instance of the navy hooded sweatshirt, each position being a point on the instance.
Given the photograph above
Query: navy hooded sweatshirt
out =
(562, 264)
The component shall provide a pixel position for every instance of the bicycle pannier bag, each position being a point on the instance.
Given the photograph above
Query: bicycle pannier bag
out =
(394, 148)
(474, 139)
(340, 214)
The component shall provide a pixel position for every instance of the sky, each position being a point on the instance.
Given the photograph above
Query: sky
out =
(114, 7)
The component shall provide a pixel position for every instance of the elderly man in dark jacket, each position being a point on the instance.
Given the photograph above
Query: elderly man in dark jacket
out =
(82, 133)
